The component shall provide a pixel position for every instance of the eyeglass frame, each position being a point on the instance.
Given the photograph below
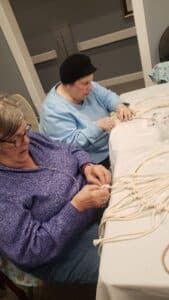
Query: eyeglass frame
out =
(27, 129)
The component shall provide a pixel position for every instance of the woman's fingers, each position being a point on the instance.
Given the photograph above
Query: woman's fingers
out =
(102, 174)
(125, 113)
(107, 176)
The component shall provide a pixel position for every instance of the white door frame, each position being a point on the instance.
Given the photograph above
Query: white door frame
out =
(143, 41)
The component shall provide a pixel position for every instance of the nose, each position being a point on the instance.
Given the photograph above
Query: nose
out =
(90, 86)
(25, 139)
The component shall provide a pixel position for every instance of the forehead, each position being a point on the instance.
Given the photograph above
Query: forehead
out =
(21, 128)
(85, 79)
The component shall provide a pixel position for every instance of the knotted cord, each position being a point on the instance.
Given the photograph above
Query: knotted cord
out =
(141, 110)
(139, 198)
(138, 195)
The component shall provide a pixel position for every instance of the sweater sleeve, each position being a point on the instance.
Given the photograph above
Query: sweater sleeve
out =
(62, 126)
(82, 156)
(29, 243)
(106, 97)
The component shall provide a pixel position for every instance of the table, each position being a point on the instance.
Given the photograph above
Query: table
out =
(133, 269)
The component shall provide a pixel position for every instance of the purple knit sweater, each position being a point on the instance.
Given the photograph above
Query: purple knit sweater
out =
(37, 219)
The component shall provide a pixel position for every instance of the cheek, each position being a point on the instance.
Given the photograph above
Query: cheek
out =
(11, 151)
(7, 151)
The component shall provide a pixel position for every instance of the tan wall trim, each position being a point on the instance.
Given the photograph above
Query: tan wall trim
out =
(107, 39)
(49, 55)
(89, 44)
(121, 79)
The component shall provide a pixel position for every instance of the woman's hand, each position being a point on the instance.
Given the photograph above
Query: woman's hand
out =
(124, 113)
(96, 174)
(90, 196)
(106, 124)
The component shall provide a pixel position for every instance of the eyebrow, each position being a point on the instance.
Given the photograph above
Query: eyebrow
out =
(18, 134)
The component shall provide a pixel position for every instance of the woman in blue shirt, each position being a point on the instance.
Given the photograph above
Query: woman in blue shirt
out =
(77, 110)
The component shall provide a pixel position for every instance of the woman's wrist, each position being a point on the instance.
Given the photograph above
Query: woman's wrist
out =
(77, 204)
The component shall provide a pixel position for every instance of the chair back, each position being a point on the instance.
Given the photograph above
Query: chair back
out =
(28, 111)
(16, 275)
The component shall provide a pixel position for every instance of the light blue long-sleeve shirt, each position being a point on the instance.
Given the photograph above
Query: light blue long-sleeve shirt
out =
(71, 123)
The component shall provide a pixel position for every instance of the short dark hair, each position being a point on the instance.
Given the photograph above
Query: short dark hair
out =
(75, 67)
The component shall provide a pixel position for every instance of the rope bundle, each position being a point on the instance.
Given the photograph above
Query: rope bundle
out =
(135, 196)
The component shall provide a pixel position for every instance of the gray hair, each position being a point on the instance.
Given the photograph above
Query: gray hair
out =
(11, 116)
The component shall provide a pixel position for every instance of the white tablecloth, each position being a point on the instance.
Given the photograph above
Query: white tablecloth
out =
(133, 269)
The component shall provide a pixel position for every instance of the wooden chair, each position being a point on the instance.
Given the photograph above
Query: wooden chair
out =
(19, 282)
(28, 111)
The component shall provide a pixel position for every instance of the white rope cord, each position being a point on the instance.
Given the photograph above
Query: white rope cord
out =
(161, 101)
(141, 192)
(146, 107)
(145, 110)
(163, 258)
(142, 109)
(138, 196)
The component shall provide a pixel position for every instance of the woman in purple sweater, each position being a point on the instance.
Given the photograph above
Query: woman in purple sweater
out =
(50, 196)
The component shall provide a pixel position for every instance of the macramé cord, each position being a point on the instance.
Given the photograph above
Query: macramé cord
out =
(140, 195)
(142, 110)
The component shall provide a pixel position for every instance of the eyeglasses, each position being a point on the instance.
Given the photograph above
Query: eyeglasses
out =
(19, 139)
